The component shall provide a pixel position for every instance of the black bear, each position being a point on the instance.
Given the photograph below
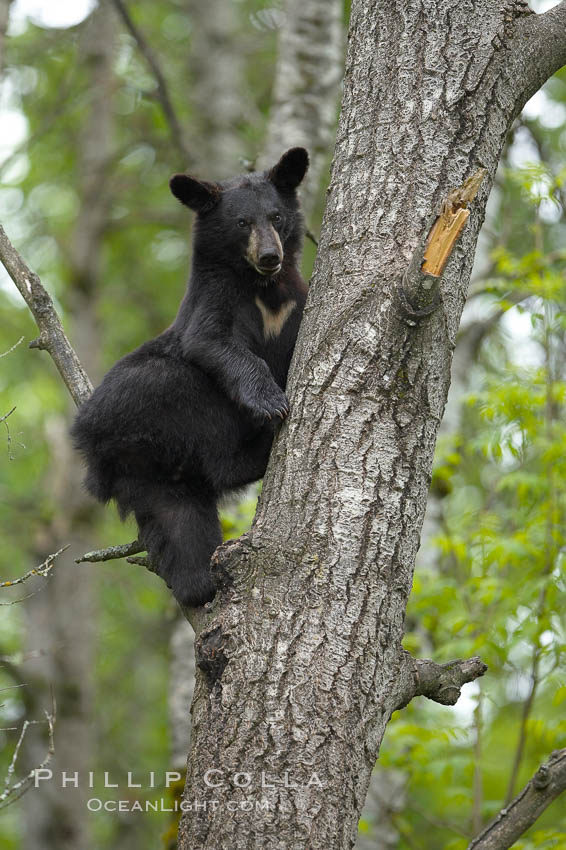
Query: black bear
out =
(190, 415)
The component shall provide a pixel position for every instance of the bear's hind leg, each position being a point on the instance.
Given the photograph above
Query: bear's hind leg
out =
(247, 464)
(180, 530)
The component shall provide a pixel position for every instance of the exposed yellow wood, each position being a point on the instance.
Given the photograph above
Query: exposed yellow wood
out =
(449, 224)
(442, 237)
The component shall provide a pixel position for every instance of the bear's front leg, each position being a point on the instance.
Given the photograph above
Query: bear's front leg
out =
(263, 397)
(243, 376)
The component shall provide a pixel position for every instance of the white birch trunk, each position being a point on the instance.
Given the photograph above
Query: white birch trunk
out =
(305, 92)
(216, 87)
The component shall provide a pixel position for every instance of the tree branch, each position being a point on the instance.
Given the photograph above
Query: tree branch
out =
(4, 19)
(15, 345)
(539, 48)
(43, 570)
(441, 683)
(162, 87)
(52, 336)
(111, 553)
(449, 224)
(546, 785)
(3, 418)
(11, 793)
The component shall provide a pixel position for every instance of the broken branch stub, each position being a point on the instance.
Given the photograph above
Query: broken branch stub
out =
(449, 224)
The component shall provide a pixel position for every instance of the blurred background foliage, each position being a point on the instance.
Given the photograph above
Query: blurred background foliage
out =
(490, 578)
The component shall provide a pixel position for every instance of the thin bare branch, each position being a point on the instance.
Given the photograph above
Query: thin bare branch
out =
(15, 345)
(13, 687)
(162, 88)
(127, 551)
(478, 779)
(53, 339)
(143, 562)
(111, 553)
(43, 570)
(8, 434)
(546, 785)
(3, 418)
(13, 792)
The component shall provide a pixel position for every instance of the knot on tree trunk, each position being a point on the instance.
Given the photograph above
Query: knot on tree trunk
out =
(210, 653)
(231, 563)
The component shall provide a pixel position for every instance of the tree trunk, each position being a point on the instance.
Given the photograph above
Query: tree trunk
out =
(300, 658)
(386, 798)
(305, 95)
(181, 685)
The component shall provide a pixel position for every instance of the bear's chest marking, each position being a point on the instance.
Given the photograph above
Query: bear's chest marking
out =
(273, 320)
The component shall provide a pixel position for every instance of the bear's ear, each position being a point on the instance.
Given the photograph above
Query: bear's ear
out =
(290, 170)
(198, 195)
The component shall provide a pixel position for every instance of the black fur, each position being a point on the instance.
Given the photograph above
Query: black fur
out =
(189, 415)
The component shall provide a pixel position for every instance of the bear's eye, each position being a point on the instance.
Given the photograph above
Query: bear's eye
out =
(276, 218)
(242, 222)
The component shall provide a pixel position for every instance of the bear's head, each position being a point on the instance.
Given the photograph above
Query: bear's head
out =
(253, 219)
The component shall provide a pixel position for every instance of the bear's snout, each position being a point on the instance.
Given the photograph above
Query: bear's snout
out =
(265, 252)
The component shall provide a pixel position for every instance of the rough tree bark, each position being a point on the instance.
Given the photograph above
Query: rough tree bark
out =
(509, 825)
(300, 657)
(305, 96)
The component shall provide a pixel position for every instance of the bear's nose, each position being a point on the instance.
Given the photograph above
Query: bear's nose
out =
(269, 261)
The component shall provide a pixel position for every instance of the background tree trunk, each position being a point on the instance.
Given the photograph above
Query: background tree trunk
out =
(4, 18)
(301, 656)
(217, 88)
(62, 618)
(386, 798)
(309, 69)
